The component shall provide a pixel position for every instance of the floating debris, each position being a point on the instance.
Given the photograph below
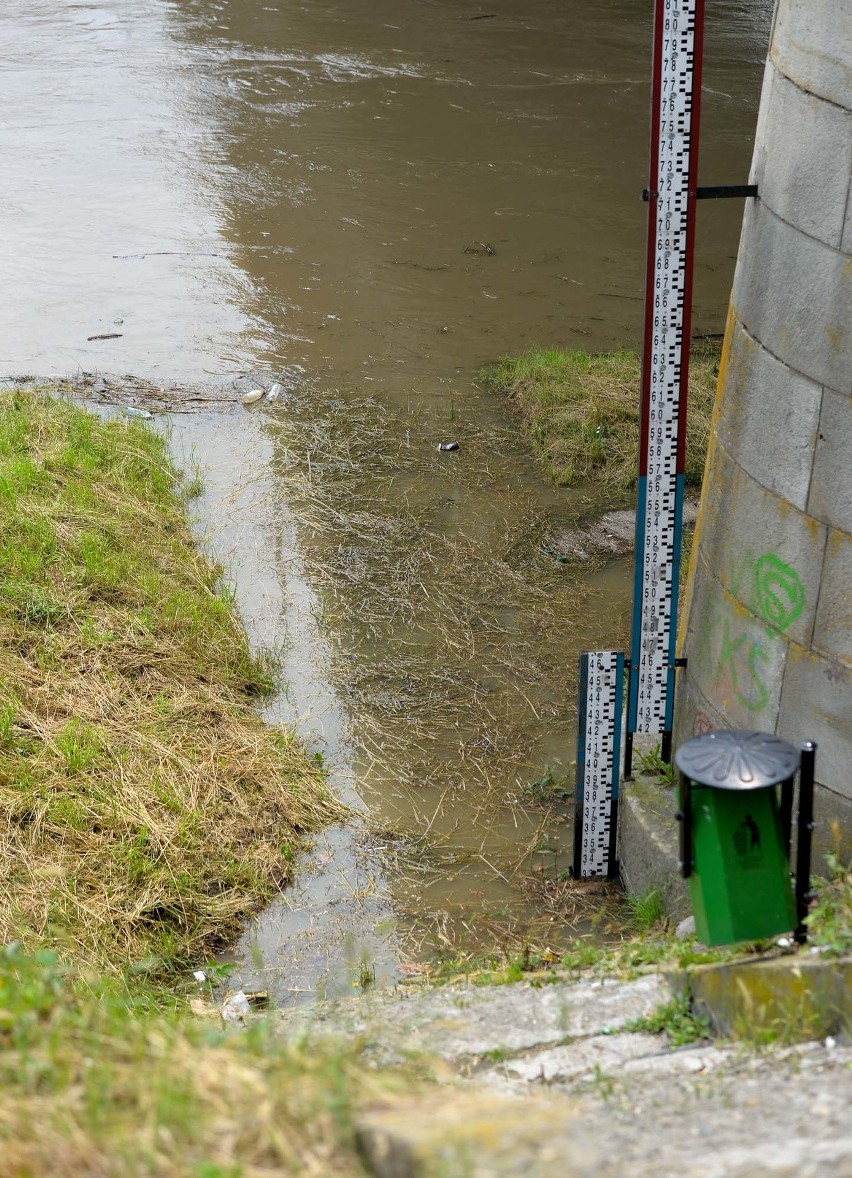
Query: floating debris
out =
(274, 392)
(107, 335)
(255, 395)
(132, 411)
(448, 445)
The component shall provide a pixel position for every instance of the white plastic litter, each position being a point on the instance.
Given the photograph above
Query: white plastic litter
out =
(236, 1008)
(254, 395)
(132, 411)
(274, 392)
(200, 975)
(784, 942)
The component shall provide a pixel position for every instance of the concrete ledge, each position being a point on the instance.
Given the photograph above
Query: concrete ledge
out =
(455, 1134)
(648, 852)
(796, 997)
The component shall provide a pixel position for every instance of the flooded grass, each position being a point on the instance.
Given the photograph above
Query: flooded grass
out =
(145, 808)
(449, 629)
(581, 411)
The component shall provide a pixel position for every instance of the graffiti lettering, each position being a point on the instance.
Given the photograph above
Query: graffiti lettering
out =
(703, 724)
(738, 657)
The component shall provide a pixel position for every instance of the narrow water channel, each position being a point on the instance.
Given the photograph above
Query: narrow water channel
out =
(370, 202)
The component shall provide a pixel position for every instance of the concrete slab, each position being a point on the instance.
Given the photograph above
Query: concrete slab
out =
(648, 854)
(585, 1058)
(477, 1135)
(698, 1060)
(461, 1022)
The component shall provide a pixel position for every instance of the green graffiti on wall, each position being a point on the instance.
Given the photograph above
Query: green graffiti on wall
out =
(739, 653)
(779, 593)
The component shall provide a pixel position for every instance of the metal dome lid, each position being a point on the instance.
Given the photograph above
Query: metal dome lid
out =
(737, 760)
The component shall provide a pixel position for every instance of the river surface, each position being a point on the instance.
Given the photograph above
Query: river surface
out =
(369, 202)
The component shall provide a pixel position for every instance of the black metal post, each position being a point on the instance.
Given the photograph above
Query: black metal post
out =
(684, 816)
(805, 836)
(787, 815)
(666, 747)
(628, 754)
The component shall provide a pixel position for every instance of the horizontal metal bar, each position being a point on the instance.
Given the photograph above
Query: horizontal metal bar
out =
(713, 192)
(721, 191)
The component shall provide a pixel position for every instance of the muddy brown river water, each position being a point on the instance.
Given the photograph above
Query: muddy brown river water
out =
(370, 202)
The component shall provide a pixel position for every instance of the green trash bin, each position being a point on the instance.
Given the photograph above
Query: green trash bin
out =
(735, 834)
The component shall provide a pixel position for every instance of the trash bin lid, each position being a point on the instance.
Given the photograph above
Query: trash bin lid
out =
(737, 760)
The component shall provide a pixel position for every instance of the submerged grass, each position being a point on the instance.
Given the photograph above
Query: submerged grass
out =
(581, 411)
(145, 808)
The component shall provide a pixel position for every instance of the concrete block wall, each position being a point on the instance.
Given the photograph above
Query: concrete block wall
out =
(767, 628)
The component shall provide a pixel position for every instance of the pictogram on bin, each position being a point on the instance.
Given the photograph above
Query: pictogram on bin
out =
(735, 834)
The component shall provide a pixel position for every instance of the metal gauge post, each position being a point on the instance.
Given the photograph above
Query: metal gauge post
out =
(678, 38)
(598, 763)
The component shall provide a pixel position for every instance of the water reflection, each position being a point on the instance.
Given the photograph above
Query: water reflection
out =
(367, 146)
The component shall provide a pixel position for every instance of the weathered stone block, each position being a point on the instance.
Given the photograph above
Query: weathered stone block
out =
(802, 159)
(799, 996)
(812, 44)
(765, 553)
(815, 706)
(794, 294)
(694, 713)
(833, 627)
(830, 496)
(769, 419)
(456, 1134)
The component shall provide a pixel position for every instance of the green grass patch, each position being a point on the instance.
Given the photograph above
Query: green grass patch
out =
(581, 411)
(145, 808)
(101, 1078)
(677, 1019)
(830, 920)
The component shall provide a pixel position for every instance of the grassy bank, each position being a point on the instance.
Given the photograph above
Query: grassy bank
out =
(581, 411)
(96, 1080)
(145, 808)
